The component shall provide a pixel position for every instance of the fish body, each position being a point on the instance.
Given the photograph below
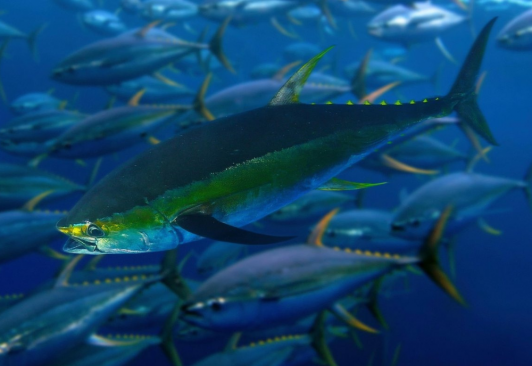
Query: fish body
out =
(42, 326)
(34, 102)
(19, 184)
(281, 285)
(110, 131)
(155, 90)
(517, 34)
(421, 23)
(103, 22)
(169, 10)
(207, 189)
(246, 11)
(22, 232)
(380, 73)
(469, 194)
(76, 5)
(218, 256)
(124, 57)
(310, 205)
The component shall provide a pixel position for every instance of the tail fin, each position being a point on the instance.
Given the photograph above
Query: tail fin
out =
(32, 41)
(2, 55)
(319, 343)
(167, 339)
(215, 45)
(358, 85)
(199, 102)
(463, 90)
(430, 263)
(528, 187)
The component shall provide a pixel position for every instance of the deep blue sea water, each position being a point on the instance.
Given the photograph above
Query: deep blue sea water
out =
(493, 272)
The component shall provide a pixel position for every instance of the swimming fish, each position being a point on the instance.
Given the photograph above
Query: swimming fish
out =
(130, 55)
(8, 32)
(103, 22)
(517, 34)
(210, 181)
(35, 102)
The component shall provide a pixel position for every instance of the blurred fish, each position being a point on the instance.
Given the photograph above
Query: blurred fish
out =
(264, 71)
(107, 351)
(290, 283)
(131, 6)
(470, 194)
(250, 169)
(421, 22)
(168, 10)
(113, 130)
(155, 89)
(130, 55)
(76, 5)
(517, 34)
(35, 102)
(311, 205)
(7, 301)
(7, 32)
(19, 184)
(24, 231)
(380, 73)
(246, 11)
(103, 22)
(304, 14)
(217, 256)
(300, 51)
(350, 8)
(421, 155)
(42, 326)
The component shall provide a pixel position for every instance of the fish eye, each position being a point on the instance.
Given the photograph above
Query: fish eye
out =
(95, 231)
(216, 305)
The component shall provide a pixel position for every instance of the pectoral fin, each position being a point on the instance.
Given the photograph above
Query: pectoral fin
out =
(207, 226)
(397, 165)
(487, 228)
(341, 313)
(336, 184)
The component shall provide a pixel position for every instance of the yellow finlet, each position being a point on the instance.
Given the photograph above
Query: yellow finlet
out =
(398, 103)
(329, 102)
(349, 102)
(425, 100)
(412, 101)
(366, 102)
(134, 101)
(315, 237)
(153, 140)
(383, 102)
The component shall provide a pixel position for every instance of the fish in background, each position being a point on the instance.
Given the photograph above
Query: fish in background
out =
(470, 194)
(350, 8)
(300, 51)
(420, 155)
(421, 22)
(76, 5)
(130, 55)
(103, 22)
(131, 6)
(517, 34)
(217, 256)
(311, 205)
(35, 102)
(19, 184)
(8, 33)
(168, 10)
(250, 170)
(156, 89)
(266, 70)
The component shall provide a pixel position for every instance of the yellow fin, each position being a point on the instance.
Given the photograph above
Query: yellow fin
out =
(167, 81)
(153, 140)
(143, 31)
(377, 93)
(390, 162)
(279, 75)
(30, 205)
(487, 228)
(341, 313)
(317, 233)
(135, 99)
(281, 29)
(199, 101)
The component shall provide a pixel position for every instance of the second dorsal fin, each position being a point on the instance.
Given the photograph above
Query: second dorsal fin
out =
(289, 93)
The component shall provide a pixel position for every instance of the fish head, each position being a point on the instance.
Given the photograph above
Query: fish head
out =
(119, 234)
(221, 313)
(413, 222)
(389, 23)
(515, 37)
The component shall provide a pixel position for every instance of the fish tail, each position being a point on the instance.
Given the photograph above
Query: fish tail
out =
(32, 40)
(3, 48)
(319, 343)
(430, 263)
(463, 95)
(199, 102)
(528, 186)
(167, 341)
(171, 275)
(215, 45)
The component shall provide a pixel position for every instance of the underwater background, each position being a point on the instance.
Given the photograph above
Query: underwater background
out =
(492, 271)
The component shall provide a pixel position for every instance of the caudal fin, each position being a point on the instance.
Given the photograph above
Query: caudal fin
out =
(32, 41)
(215, 45)
(430, 263)
(463, 91)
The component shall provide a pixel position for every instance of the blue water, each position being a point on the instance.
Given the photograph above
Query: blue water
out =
(493, 272)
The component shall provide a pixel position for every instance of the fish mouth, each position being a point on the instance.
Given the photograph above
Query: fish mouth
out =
(80, 246)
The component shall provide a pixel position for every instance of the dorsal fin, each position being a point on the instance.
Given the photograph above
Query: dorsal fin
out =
(233, 342)
(62, 278)
(289, 93)
(279, 75)
(144, 30)
(30, 205)
(316, 234)
(135, 99)
(476, 158)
